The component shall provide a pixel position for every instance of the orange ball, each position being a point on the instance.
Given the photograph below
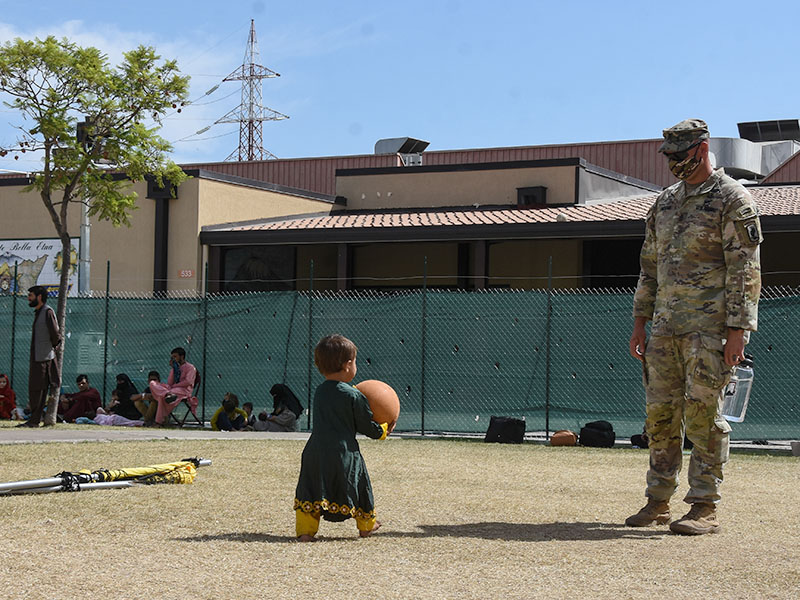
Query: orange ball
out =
(382, 400)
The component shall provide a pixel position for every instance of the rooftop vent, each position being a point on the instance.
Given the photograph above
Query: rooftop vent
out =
(770, 131)
(403, 145)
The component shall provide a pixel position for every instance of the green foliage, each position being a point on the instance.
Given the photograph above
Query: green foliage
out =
(54, 84)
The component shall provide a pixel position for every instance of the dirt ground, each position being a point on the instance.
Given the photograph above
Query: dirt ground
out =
(461, 519)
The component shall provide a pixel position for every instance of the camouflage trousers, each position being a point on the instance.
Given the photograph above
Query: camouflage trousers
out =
(684, 379)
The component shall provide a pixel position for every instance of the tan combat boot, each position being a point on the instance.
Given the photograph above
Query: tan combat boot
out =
(702, 518)
(656, 511)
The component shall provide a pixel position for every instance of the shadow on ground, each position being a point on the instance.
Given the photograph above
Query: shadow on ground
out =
(512, 532)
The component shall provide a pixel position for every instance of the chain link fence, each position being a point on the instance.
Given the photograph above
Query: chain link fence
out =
(559, 358)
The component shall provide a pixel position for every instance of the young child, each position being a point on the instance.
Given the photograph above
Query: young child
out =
(251, 418)
(334, 482)
(261, 424)
(145, 403)
(229, 417)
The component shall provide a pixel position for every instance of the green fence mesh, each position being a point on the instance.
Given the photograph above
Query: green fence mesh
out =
(454, 357)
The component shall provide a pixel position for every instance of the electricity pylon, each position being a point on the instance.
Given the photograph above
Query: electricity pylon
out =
(250, 114)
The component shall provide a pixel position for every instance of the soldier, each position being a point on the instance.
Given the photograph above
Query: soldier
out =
(699, 285)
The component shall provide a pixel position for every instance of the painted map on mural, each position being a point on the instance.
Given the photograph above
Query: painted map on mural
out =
(37, 262)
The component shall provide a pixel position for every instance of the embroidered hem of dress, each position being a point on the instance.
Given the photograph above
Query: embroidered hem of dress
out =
(324, 506)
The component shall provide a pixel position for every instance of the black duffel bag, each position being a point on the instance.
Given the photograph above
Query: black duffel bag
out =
(597, 434)
(505, 430)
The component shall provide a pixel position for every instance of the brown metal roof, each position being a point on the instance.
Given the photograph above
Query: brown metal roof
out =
(788, 172)
(636, 158)
(313, 174)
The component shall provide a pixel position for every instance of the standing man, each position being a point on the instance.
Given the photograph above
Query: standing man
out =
(699, 285)
(44, 379)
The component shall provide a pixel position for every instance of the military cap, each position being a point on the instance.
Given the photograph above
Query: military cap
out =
(681, 136)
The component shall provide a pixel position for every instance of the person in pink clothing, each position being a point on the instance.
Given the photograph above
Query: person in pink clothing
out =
(179, 385)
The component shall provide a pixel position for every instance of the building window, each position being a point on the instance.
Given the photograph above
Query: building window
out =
(258, 269)
(531, 196)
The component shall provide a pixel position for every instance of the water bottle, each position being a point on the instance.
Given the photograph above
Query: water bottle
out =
(737, 392)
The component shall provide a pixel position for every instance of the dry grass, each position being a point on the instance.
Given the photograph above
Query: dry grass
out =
(461, 520)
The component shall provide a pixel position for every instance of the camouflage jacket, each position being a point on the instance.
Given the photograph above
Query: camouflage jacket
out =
(700, 267)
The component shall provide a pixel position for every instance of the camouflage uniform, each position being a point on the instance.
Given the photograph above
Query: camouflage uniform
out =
(700, 274)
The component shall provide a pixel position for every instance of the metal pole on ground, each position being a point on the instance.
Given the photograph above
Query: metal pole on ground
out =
(547, 349)
(13, 320)
(424, 338)
(310, 339)
(105, 336)
(205, 346)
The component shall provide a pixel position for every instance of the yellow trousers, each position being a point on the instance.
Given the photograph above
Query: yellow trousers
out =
(308, 523)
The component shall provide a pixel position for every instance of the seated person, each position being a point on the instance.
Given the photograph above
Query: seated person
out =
(21, 414)
(83, 403)
(8, 399)
(179, 386)
(122, 399)
(145, 403)
(286, 409)
(104, 418)
(229, 417)
(251, 418)
(261, 422)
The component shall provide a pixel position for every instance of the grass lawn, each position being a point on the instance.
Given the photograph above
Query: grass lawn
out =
(461, 519)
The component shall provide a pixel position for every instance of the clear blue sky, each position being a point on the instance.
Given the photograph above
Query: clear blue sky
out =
(457, 73)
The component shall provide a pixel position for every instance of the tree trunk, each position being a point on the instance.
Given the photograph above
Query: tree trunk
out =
(63, 290)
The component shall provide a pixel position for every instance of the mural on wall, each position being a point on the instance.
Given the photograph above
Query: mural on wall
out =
(38, 262)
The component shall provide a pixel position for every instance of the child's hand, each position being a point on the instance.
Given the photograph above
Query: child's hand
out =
(390, 428)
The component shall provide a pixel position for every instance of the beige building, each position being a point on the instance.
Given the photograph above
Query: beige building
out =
(459, 225)
(160, 251)
(464, 226)
(472, 226)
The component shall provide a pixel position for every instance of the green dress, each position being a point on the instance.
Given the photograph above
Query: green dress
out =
(333, 477)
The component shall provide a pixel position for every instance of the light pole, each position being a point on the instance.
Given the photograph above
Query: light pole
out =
(84, 260)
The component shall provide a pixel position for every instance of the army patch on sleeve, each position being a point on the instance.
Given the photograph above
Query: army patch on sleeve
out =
(749, 232)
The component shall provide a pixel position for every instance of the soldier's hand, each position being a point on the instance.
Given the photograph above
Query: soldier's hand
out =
(638, 339)
(734, 347)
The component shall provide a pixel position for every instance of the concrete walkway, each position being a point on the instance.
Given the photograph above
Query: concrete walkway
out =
(71, 433)
(68, 433)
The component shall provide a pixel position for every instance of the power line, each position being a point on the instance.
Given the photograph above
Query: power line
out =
(213, 137)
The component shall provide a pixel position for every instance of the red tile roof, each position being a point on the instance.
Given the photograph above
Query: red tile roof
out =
(772, 201)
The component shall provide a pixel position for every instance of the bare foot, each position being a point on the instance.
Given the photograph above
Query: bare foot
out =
(371, 531)
(306, 538)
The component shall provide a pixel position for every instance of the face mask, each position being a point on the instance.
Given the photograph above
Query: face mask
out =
(683, 169)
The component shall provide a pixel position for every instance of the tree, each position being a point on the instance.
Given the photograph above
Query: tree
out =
(54, 84)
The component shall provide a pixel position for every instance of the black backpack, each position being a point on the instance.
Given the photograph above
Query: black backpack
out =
(505, 430)
(598, 434)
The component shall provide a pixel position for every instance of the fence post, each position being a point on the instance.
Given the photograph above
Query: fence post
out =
(105, 337)
(14, 291)
(205, 346)
(310, 340)
(547, 349)
(424, 338)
